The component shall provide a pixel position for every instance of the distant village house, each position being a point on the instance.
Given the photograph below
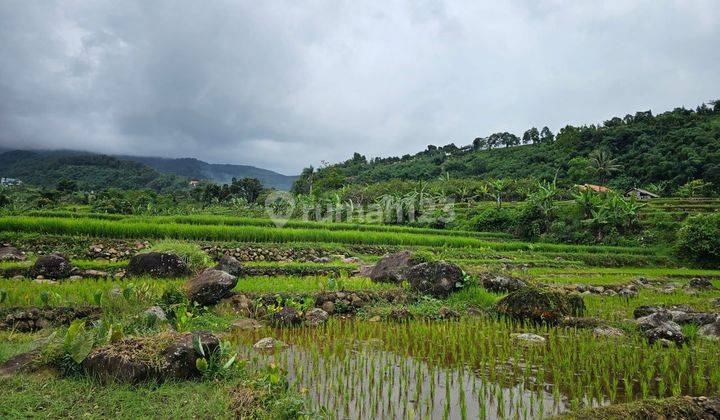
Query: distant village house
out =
(9, 182)
(194, 183)
(596, 188)
(641, 194)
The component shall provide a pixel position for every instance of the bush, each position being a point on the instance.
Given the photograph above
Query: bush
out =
(699, 239)
(191, 253)
(496, 219)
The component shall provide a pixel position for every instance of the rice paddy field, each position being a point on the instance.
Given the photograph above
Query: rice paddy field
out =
(390, 353)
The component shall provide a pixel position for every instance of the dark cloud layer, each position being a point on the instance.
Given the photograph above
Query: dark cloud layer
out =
(286, 84)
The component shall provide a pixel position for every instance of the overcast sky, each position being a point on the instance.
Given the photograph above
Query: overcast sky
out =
(283, 85)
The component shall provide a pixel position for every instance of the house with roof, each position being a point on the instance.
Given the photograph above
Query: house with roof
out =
(596, 188)
(641, 194)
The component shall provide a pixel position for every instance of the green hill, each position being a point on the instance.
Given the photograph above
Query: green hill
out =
(220, 173)
(89, 171)
(668, 150)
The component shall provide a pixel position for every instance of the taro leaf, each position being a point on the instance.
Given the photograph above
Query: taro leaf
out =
(81, 346)
(73, 330)
(201, 364)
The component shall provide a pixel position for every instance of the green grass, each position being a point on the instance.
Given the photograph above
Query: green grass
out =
(102, 228)
(191, 253)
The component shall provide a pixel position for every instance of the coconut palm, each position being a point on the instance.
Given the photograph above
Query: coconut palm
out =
(603, 164)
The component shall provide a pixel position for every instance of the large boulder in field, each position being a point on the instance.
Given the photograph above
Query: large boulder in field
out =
(390, 268)
(437, 278)
(315, 317)
(540, 305)
(161, 357)
(286, 317)
(700, 283)
(53, 266)
(230, 265)
(668, 331)
(157, 264)
(710, 331)
(499, 283)
(210, 286)
(10, 253)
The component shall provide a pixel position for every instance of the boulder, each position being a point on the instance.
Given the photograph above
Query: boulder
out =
(157, 264)
(315, 317)
(528, 338)
(695, 318)
(710, 331)
(668, 330)
(53, 266)
(156, 312)
(437, 278)
(391, 268)
(210, 286)
(610, 332)
(268, 343)
(499, 283)
(161, 357)
(328, 306)
(287, 316)
(447, 313)
(246, 324)
(230, 265)
(700, 283)
(654, 320)
(540, 305)
(10, 253)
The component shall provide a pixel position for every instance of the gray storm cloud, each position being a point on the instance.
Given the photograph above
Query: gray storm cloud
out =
(286, 84)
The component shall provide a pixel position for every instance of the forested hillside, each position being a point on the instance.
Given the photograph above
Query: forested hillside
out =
(88, 171)
(662, 151)
(220, 173)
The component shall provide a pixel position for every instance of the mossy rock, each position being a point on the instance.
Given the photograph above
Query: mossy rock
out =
(540, 305)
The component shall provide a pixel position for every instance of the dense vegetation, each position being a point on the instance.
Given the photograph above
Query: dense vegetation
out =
(659, 152)
(87, 172)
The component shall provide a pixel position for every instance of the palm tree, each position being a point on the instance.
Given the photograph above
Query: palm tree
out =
(603, 164)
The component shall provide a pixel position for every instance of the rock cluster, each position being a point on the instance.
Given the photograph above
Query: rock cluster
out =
(162, 357)
(33, 319)
(500, 283)
(256, 253)
(210, 286)
(115, 251)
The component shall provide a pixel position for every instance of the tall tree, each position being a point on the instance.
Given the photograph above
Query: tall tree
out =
(603, 164)
(531, 136)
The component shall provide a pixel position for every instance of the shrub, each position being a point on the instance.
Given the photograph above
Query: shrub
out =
(495, 219)
(191, 253)
(699, 239)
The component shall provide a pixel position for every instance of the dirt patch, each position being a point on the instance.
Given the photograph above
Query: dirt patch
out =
(669, 408)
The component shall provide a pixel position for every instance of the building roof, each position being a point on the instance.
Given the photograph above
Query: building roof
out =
(646, 192)
(596, 188)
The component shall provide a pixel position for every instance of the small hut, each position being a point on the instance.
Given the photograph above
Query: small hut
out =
(641, 194)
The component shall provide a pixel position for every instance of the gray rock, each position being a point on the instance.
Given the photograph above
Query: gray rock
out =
(157, 264)
(156, 312)
(668, 330)
(437, 278)
(230, 265)
(695, 318)
(246, 324)
(391, 268)
(287, 316)
(710, 331)
(268, 343)
(328, 306)
(53, 266)
(210, 286)
(315, 317)
(528, 338)
(10, 253)
(653, 320)
(605, 331)
(701, 283)
(501, 284)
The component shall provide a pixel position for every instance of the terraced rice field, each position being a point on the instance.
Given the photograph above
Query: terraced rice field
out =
(392, 353)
